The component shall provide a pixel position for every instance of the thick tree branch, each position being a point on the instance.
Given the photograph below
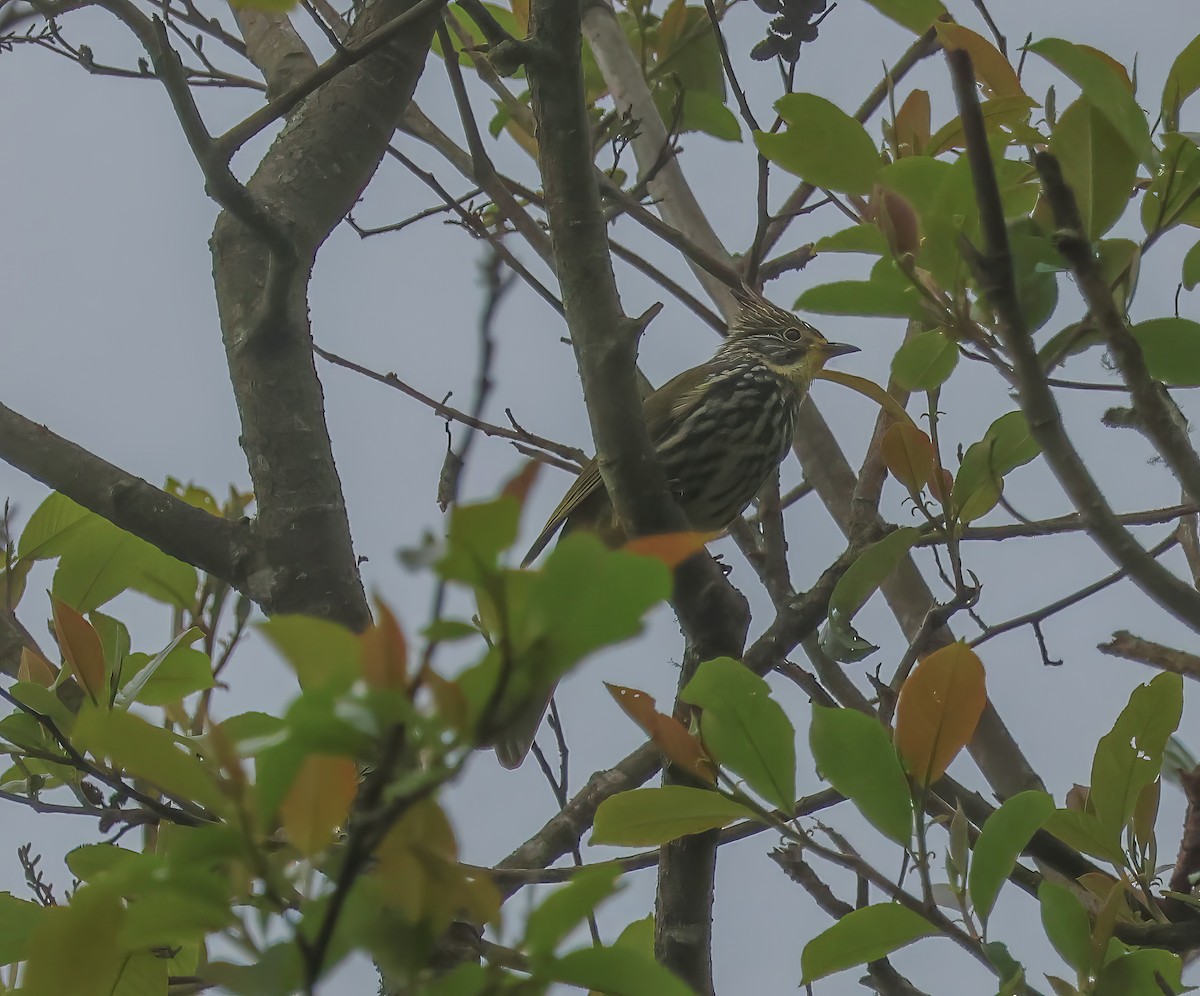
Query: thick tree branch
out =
(997, 283)
(214, 545)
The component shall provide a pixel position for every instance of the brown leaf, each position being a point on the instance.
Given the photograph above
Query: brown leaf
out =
(318, 801)
(993, 71)
(671, 548)
(939, 707)
(81, 647)
(898, 222)
(908, 453)
(384, 652)
(941, 486)
(519, 485)
(671, 736)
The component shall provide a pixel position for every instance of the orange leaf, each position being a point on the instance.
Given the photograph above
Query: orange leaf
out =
(898, 222)
(993, 71)
(670, 735)
(449, 700)
(318, 801)
(941, 486)
(911, 130)
(519, 484)
(80, 645)
(34, 667)
(939, 706)
(384, 652)
(671, 548)
(908, 454)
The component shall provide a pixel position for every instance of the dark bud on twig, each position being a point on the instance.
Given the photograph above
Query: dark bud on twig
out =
(795, 23)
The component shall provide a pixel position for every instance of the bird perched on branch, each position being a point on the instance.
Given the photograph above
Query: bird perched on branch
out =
(719, 430)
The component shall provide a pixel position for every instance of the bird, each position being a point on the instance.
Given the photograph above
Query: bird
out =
(719, 430)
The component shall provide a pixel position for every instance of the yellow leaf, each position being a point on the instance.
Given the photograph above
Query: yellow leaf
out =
(81, 646)
(667, 732)
(993, 71)
(868, 389)
(939, 707)
(908, 453)
(384, 652)
(671, 548)
(911, 129)
(34, 667)
(318, 801)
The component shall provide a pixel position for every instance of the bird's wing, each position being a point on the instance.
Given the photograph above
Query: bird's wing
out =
(585, 485)
(663, 409)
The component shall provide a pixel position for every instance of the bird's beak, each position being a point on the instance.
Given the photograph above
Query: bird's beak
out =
(832, 349)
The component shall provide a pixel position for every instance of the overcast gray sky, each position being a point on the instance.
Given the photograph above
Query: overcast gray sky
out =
(110, 337)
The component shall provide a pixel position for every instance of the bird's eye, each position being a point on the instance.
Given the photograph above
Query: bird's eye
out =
(793, 334)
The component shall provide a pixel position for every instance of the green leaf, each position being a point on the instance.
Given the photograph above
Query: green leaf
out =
(1106, 88)
(856, 238)
(864, 935)
(97, 561)
(477, 536)
(90, 861)
(1035, 266)
(1010, 112)
(1191, 267)
(651, 816)
(1134, 974)
(698, 111)
(564, 909)
(854, 753)
(1085, 832)
(1010, 971)
(1174, 186)
(862, 297)
(822, 144)
(144, 973)
(916, 15)
(1001, 840)
(87, 929)
(1012, 445)
(1182, 81)
(1129, 757)
(617, 971)
(173, 673)
(745, 729)
(324, 655)
(1066, 924)
(148, 752)
(1171, 348)
(1097, 164)
(858, 584)
(925, 362)
(978, 483)
(18, 920)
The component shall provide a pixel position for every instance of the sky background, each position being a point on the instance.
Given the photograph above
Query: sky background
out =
(111, 338)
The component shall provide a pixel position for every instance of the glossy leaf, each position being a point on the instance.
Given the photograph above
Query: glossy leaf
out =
(856, 585)
(1129, 757)
(993, 71)
(1011, 445)
(1084, 832)
(822, 144)
(745, 729)
(862, 936)
(978, 483)
(1002, 838)
(81, 647)
(939, 706)
(908, 453)
(318, 802)
(175, 672)
(323, 654)
(566, 908)
(1066, 924)
(868, 389)
(1106, 87)
(617, 971)
(671, 736)
(648, 817)
(1097, 164)
(1182, 81)
(862, 297)
(1009, 113)
(1137, 973)
(925, 362)
(854, 754)
(1174, 186)
(1171, 348)
(857, 238)
(148, 752)
(916, 15)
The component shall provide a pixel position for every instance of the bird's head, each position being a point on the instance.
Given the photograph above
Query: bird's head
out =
(783, 341)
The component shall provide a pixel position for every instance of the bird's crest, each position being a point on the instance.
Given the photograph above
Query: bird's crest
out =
(756, 315)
